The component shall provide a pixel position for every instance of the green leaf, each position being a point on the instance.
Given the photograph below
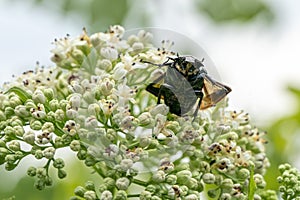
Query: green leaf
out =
(20, 92)
(252, 185)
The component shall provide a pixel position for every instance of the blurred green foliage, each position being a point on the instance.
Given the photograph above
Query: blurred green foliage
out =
(99, 14)
(283, 143)
(236, 10)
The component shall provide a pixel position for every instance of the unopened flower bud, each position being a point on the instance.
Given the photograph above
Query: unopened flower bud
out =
(104, 64)
(145, 119)
(122, 183)
(183, 176)
(90, 195)
(39, 97)
(159, 176)
(208, 178)
(49, 152)
(79, 191)
(106, 195)
(159, 109)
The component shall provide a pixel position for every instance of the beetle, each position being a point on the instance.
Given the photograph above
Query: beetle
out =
(185, 84)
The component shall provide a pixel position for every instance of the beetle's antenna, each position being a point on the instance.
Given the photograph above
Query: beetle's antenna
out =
(159, 65)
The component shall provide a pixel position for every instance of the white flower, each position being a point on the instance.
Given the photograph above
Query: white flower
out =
(109, 53)
(119, 71)
(124, 94)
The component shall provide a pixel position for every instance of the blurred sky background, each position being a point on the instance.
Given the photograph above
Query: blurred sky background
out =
(258, 57)
(257, 60)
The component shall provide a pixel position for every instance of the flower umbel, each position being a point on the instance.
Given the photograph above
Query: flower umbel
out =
(94, 101)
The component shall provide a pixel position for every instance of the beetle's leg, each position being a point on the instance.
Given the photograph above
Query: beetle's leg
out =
(166, 63)
(200, 95)
(161, 91)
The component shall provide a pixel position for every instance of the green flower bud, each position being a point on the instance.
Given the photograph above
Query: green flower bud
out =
(227, 184)
(145, 119)
(106, 195)
(257, 197)
(15, 101)
(106, 86)
(208, 178)
(212, 193)
(159, 109)
(183, 176)
(192, 184)
(54, 104)
(174, 126)
(2, 116)
(109, 183)
(104, 64)
(19, 130)
(41, 172)
(145, 195)
(145, 141)
(243, 173)
(75, 145)
(58, 142)
(22, 111)
(49, 152)
(35, 125)
(159, 176)
(38, 97)
(126, 164)
(121, 195)
(38, 154)
(81, 155)
(10, 166)
(90, 161)
(151, 188)
(9, 131)
(31, 171)
(225, 196)
(184, 190)
(9, 111)
(49, 93)
(3, 152)
(48, 181)
(48, 127)
(119, 71)
(10, 158)
(79, 191)
(2, 143)
(30, 104)
(122, 183)
(58, 163)
(88, 97)
(259, 180)
(192, 197)
(29, 137)
(90, 195)
(14, 146)
(171, 179)
(59, 115)
(39, 184)
(102, 188)
(89, 185)
(94, 109)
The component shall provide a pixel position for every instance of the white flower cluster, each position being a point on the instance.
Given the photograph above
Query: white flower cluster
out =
(94, 101)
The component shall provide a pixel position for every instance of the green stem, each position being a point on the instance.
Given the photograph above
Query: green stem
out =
(140, 182)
